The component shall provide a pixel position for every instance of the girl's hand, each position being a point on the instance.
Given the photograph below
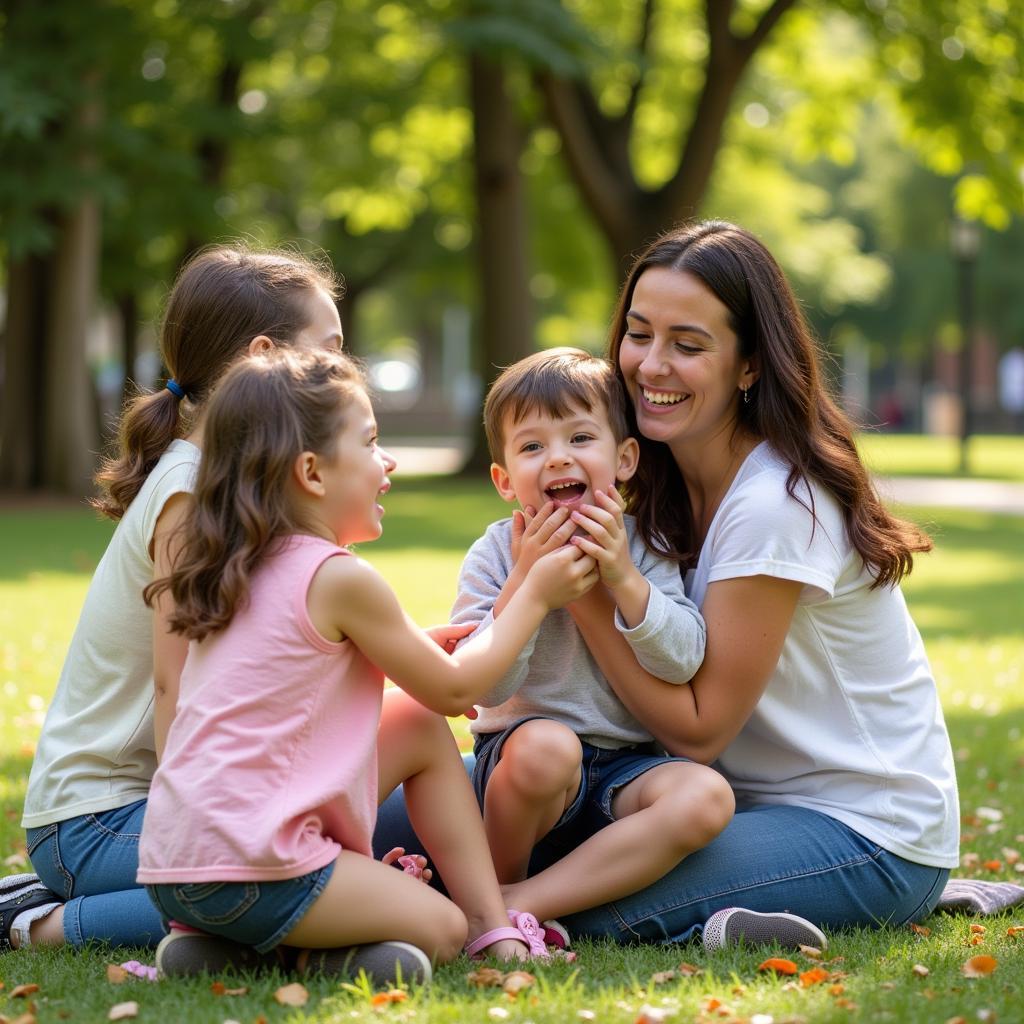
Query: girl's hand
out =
(535, 534)
(448, 635)
(563, 575)
(606, 539)
(414, 864)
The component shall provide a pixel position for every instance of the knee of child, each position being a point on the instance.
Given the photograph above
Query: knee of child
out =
(450, 930)
(543, 758)
(716, 803)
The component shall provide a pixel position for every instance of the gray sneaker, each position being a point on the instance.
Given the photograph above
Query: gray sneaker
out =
(184, 954)
(386, 963)
(733, 925)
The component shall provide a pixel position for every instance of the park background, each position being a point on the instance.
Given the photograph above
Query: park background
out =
(479, 172)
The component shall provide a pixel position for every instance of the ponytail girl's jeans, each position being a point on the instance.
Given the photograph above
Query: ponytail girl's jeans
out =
(90, 861)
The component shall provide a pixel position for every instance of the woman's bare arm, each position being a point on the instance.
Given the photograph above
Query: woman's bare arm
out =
(747, 621)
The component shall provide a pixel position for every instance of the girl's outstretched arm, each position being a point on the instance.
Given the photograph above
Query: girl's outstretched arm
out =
(349, 598)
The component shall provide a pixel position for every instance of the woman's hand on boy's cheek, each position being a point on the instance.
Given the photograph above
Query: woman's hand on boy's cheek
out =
(447, 636)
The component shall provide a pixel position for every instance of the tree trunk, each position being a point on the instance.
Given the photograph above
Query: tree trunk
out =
(21, 426)
(70, 435)
(506, 318)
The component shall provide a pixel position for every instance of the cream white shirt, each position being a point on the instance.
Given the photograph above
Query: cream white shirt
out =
(96, 751)
(850, 722)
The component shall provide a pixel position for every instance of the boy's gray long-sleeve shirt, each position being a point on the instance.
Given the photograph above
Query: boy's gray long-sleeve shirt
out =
(555, 675)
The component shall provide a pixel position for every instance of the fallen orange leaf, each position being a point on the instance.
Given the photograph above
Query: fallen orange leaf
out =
(836, 990)
(116, 974)
(1014, 930)
(22, 991)
(486, 977)
(978, 929)
(975, 940)
(919, 929)
(292, 995)
(813, 977)
(979, 966)
(393, 995)
(516, 981)
(778, 965)
(689, 970)
(993, 865)
(711, 1003)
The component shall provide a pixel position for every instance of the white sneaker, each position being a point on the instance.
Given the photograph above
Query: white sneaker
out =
(734, 925)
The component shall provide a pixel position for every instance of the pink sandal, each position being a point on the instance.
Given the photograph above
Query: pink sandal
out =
(527, 930)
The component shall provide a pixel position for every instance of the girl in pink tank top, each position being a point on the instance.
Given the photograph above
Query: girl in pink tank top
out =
(258, 827)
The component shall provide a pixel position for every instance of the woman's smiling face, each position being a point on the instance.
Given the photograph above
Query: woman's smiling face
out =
(680, 359)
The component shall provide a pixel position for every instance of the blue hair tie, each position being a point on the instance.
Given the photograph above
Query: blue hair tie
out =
(175, 388)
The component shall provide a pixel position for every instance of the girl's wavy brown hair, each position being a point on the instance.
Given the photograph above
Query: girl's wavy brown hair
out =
(790, 405)
(223, 297)
(262, 416)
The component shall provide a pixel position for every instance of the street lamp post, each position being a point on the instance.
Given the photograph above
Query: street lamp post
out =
(965, 241)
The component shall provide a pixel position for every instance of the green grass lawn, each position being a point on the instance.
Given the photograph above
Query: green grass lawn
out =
(995, 457)
(968, 598)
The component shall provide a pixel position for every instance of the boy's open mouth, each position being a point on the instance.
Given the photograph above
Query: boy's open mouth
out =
(565, 491)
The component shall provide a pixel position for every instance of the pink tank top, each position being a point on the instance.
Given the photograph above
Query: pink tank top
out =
(271, 761)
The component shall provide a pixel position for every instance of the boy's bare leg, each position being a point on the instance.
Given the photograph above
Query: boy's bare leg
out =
(530, 788)
(665, 814)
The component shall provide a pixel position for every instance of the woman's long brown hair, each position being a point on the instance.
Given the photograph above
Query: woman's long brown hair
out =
(789, 406)
(266, 412)
(224, 297)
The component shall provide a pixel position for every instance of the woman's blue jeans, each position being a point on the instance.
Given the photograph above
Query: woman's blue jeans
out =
(91, 862)
(769, 858)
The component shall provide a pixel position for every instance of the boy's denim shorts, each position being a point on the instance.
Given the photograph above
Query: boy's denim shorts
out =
(257, 914)
(603, 774)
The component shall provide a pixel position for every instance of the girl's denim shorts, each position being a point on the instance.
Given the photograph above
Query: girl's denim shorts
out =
(257, 914)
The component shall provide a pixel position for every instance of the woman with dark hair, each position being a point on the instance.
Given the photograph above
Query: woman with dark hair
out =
(815, 698)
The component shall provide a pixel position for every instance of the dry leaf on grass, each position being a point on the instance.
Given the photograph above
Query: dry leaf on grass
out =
(498, 1013)
(486, 977)
(813, 977)
(811, 952)
(292, 995)
(689, 970)
(920, 970)
(978, 929)
(123, 1011)
(23, 991)
(393, 995)
(116, 974)
(1014, 930)
(778, 965)
(218, 988)
(663, 977)
(516, 981)
(920, 929)
(979, 966)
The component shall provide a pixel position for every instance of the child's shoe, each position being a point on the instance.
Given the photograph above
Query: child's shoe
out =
(734, 924)
(185, 952)
(386, 963)
(18, 894)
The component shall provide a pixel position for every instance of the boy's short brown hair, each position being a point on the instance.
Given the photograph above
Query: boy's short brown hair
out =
(549, 381)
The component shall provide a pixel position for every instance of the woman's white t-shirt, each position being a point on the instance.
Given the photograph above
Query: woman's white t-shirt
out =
(97, 751)
(850, 722)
